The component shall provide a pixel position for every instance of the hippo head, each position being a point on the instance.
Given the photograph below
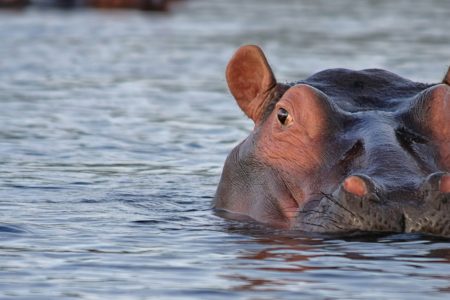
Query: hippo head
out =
(341, 151)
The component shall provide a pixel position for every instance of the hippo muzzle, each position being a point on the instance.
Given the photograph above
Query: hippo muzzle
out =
(358, 206)
(341, 151)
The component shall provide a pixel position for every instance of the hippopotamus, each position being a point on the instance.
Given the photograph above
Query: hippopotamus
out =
(339, 152)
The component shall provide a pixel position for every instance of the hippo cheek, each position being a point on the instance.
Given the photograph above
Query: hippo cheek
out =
(270, 199)
(251, 190)
(279, 208)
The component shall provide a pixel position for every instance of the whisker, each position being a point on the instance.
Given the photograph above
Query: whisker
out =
(312, 224)
(324, 216)
(319, 225)
(329, 197)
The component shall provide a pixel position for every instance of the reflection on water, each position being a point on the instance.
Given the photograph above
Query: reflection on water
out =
(363, 266)
(114, 129)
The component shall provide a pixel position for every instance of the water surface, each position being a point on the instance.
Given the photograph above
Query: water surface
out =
(114, 129)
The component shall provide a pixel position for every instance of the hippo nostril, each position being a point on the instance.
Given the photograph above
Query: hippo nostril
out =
(355, 185)
(444, 184)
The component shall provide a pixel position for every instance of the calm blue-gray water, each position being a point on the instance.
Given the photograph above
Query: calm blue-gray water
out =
(114, 126)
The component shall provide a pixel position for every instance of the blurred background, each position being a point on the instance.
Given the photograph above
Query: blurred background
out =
(115, 122)
(151, 5)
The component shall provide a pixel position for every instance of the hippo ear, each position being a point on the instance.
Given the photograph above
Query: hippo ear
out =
(250, 80)
(446, 79)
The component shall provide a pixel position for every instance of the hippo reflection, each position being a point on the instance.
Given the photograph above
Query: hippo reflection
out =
(340, 151)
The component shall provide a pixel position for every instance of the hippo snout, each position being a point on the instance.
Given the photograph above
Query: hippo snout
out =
(359, 205)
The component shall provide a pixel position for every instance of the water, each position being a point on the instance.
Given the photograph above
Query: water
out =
(114, 129)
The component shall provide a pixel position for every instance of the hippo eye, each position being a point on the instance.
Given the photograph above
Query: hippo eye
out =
(283, 116)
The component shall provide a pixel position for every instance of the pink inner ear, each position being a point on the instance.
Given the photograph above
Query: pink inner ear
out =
(250, 79)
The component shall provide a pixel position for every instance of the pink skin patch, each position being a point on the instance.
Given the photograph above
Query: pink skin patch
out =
(355, 186)
(444, 186)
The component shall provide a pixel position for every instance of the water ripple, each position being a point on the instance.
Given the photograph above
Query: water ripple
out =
(114, 129)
